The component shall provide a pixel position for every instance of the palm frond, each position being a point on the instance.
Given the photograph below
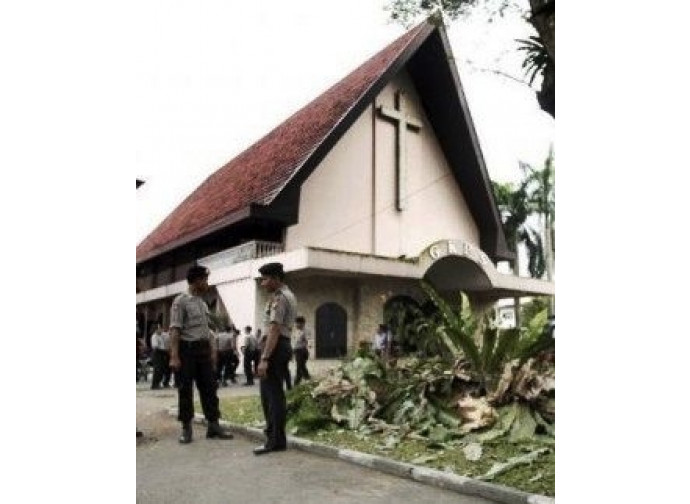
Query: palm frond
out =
(536, 59)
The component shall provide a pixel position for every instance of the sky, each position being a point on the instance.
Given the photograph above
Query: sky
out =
(214, 77)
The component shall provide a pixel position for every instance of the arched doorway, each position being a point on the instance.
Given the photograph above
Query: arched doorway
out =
(331, 331)
(456, 273)
(401, 313)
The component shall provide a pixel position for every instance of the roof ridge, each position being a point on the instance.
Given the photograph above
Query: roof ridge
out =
(353, 104)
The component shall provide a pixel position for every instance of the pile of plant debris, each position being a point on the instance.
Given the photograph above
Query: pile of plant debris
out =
(425, 399)
(489, 386)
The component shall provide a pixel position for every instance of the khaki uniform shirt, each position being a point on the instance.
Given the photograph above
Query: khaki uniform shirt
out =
(190, 314)
(281, 309)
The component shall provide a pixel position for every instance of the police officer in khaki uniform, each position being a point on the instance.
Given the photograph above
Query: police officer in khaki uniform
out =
(193, 355)
(279, 318)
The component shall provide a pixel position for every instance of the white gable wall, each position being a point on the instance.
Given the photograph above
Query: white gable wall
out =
(348, 202)
(336, 200)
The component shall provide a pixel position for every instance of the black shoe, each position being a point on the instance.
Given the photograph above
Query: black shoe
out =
(155, 387)
(166, 385)
(216, 431)
(186, 436)
(224, 384)
(248, 384)
(262, 450)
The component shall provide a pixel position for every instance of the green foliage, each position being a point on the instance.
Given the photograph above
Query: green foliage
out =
(461, 331)
(306, 412)
(535, 339)
(512, 202)
(402, 319)
(415, 328)
(457, 328)
(536, 262)
(407, 12)
(541, 200)
(530, 309)
(540, 187)
(536, 57)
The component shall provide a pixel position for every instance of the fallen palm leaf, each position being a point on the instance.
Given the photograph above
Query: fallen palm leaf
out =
(498, 395)
(548, 428)
(439, 434)
(475, 413)
(528, 384)
(500, 468)
(506, 417)
(524, 426)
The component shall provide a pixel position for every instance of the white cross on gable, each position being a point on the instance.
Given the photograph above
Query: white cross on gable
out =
(403, 121)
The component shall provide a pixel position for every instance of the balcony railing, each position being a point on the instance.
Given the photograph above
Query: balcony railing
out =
(244, 252)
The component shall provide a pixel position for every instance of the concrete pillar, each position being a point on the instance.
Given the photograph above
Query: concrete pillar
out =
(240, 301)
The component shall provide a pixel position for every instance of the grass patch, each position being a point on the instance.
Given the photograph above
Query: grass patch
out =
(242, 410)
(537, 477)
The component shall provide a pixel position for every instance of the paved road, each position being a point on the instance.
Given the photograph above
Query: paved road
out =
(222, 471)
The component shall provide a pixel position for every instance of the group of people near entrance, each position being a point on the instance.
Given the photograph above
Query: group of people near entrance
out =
(193, 353)
(228, 355)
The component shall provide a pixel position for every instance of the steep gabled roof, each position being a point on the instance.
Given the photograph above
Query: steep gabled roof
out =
(258, 174)
(284, 158)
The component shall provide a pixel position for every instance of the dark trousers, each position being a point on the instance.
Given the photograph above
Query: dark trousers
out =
(161, 368)
(256, 359)
(273, 395)
(233, 362)
(227, 366)
(301, 356)
(196, 366)
(249, 358)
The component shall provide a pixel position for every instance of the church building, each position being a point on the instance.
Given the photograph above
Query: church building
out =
(374, 185)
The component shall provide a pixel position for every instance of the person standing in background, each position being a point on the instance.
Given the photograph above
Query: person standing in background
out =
(248, 348)
(301, 351)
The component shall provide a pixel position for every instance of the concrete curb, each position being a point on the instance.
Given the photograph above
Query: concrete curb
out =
(428, 476)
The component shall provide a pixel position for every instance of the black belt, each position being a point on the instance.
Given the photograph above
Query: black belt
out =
(195, 343)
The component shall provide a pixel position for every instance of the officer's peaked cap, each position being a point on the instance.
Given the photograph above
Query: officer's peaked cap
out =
(272, 269)
(196, 272)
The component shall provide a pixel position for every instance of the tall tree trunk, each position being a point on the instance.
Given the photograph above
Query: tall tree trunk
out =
(549, 253)
(543, 19)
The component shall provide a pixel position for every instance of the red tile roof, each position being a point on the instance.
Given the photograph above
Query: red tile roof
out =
(259, 173)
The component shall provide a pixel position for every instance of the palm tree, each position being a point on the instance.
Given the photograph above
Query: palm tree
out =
(513, 206)
(540, 188)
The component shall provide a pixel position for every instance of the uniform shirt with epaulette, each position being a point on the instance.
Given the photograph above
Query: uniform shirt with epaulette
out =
(281, 309)
(189, 313)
